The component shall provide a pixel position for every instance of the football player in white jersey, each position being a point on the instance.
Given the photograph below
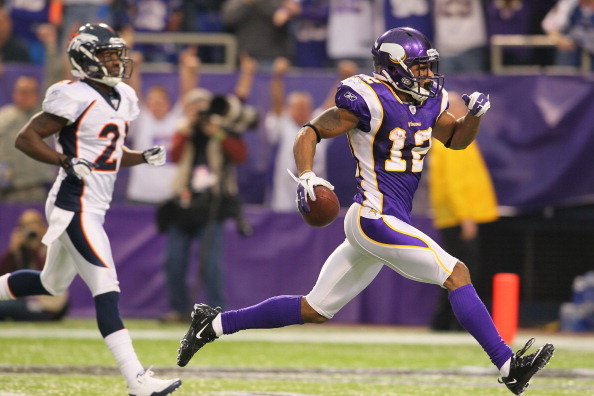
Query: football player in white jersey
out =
(389, 120)
(89, 118)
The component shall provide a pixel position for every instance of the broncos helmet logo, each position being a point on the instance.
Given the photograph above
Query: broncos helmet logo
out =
(83, 48)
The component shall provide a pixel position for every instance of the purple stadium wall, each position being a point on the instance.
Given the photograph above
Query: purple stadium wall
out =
(283, 256)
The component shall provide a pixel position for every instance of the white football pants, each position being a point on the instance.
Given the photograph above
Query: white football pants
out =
(372, 241)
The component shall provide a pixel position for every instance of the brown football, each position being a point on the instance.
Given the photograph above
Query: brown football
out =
(324, 209)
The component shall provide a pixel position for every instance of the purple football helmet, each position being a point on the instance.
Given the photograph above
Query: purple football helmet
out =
(395, 51)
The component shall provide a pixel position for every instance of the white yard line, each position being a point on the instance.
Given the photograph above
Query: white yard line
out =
(322, 334)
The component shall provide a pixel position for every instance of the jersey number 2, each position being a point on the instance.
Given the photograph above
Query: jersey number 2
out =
(105, 161)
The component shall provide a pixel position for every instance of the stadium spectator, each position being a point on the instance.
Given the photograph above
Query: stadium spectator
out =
(351, 31)
(12, 48)
(310, 34)
(120, 14)
(26, 252)
(287, 114)
(570, 23)
(389, 119)
(461, 36)
(78, 12)
(412, 13)
(203, 17)
(22, 179)
(261, 28)
(26, 18)
(89, 155)
(156, 16)
(511, 17)
(462, 198)
(156, 125)
(207, 146)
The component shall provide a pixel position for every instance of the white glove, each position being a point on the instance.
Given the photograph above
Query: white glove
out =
(477, 103)
(308, 181)
(78, 167)
(155, 156)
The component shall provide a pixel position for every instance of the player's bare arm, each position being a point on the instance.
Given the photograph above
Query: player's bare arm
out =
(30, 138)
(155, 156)
(331, 123)
(131, 157)
(462, 131)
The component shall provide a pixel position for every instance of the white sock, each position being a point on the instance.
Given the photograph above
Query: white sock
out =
(217, 325)
(504, 370)
(120, 345)
(5, 293)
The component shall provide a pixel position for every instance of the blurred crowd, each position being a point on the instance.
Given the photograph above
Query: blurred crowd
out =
(273, 37)
(310, 33)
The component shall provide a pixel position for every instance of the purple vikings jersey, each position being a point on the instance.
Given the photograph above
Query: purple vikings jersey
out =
(389, 143)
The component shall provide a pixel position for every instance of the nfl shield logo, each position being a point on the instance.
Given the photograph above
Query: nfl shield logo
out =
(413, 109)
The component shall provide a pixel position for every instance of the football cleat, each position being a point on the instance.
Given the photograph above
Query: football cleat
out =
(199, 334)
(146, 385)
(522, 368)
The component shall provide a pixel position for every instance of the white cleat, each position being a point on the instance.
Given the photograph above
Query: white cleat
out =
(146, 385)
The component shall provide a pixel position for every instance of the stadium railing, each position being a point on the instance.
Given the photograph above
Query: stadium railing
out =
(501, 41)
(225, 40)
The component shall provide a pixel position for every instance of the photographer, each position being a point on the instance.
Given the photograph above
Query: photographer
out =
(25, 251)
(207, 147)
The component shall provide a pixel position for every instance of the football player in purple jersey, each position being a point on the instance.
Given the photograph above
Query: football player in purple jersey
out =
(389, 119)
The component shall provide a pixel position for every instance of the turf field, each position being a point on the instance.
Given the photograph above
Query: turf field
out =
(69, 358)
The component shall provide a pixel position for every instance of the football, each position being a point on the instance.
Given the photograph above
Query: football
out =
(324, 209)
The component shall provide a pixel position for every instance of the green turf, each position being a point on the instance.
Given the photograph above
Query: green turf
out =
(264, 367)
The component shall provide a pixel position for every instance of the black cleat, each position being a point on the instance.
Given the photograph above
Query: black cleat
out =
(199, 334)
(522, 368)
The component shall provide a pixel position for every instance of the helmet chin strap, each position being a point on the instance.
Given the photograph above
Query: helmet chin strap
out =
(384, 76)
(107, 79)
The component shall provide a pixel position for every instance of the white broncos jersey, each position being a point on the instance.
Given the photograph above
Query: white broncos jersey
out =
(96, 131)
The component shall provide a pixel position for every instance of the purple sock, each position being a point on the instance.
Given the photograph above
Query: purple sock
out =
(474, 317)
(275, 312)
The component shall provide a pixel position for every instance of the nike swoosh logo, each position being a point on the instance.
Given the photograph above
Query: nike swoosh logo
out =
(536, 355)
(512, 381)
(198, 335)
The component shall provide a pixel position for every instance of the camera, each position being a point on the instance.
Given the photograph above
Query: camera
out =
(228, 112)
(29, 234)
